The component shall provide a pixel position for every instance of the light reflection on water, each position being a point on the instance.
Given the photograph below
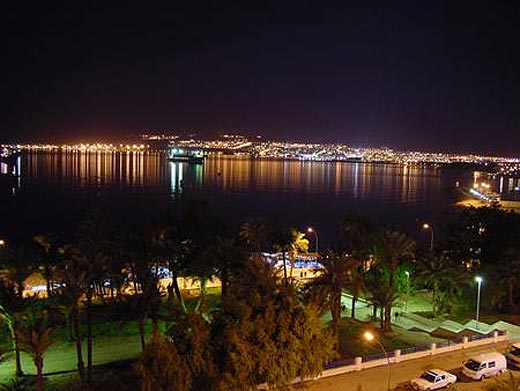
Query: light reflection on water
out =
(355, 180)
(96, 168)
(384, 182)
(55, 189)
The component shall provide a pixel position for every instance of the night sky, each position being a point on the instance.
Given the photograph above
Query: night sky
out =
(427, 75)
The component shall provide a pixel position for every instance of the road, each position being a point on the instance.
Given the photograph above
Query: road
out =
(375, 379)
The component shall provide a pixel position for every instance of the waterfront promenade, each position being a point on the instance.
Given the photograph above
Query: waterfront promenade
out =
(375, 379)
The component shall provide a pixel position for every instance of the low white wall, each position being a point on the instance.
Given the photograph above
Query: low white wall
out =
(416, 355)
(398, 356)
(359, 365)
(452, 348)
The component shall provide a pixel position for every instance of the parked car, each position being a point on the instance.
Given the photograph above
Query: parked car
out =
(433, 379)
(513, 356)
(485, 365)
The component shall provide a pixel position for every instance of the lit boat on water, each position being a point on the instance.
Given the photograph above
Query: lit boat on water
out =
(186, 155)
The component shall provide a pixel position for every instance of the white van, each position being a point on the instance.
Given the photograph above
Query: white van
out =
(485, 365)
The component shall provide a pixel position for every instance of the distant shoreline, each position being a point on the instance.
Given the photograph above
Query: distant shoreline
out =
(504, 205)
(475, 166)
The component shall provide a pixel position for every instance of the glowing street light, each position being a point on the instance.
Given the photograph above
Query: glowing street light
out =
(313, 231)
(2, 242)
(430, 227)
(479, 280)
(369, 337)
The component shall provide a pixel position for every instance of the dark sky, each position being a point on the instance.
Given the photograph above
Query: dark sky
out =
(410, 75)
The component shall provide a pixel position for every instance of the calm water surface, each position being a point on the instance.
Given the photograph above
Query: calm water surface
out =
(56, 188)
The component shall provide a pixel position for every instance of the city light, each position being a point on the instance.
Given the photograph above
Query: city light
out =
(260, 148)
(313, 231)
(368, 336)
(430, 227)
(479, 280)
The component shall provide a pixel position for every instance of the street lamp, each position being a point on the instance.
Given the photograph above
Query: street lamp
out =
(313, 231)
(368, 336)
(407, 273)
(479, 280)
(430, 227)
(2, 242)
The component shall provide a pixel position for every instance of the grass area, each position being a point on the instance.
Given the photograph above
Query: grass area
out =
(352, 343)
(115, 345)
(425, 314)
(62, 356)
(118, 376)
(486, 317)
(420, 300)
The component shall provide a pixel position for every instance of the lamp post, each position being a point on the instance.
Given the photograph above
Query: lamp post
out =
(313, 231)
(2, 243)
(430, 227)
(407, 273)
(479, 280)
(368, 336)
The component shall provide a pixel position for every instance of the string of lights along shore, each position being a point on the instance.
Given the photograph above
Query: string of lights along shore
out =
(258, 147)
(260, 195)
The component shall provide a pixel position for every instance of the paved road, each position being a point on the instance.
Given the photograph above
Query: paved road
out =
(375, 379)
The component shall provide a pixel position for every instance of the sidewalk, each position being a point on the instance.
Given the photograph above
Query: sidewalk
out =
(376, 379)
(444, 328)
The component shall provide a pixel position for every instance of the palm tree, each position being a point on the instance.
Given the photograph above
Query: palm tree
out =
(76, 282)
(328, 287)
(145, 251)
(257, 274)
(356, 286)
(17, 265)
(145, 303)
(10, 307)
(95, 249)
(49, 258)
(358, 234)
(164, 243)
(507, 275)
(382, 297)
(147, 277)
(300, 244)
(282, 242)
(92, 266)
(255, 235)
(391, 249)
(35, 337)
(443, 278)
(229, 256)
(289, 242)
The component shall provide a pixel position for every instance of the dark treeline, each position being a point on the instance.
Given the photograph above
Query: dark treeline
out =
(266, 326)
